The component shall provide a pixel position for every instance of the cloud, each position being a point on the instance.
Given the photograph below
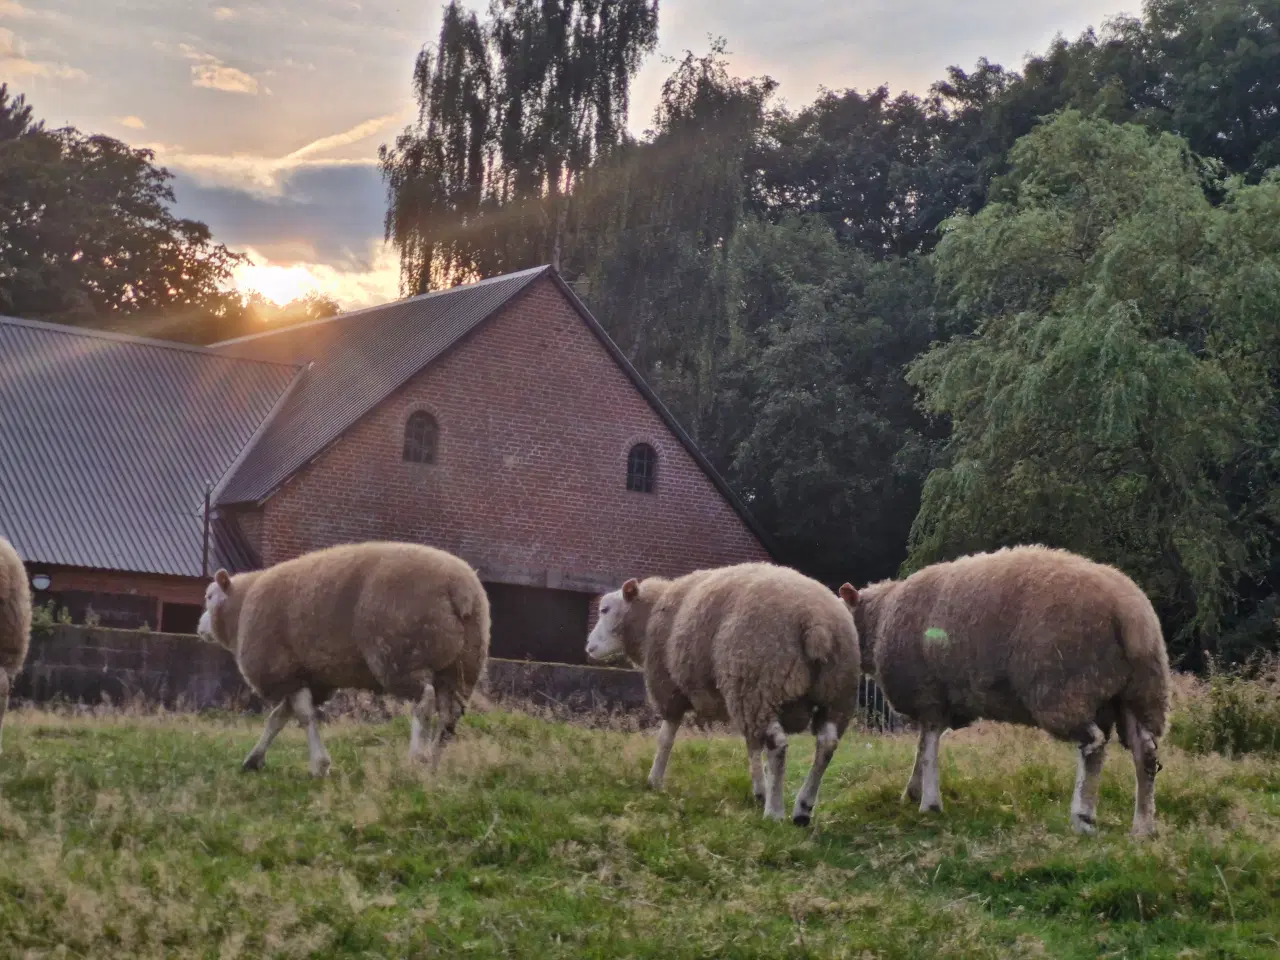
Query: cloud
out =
(225, 13)
(16, 11)
(212, 74)
(15, 64)
(266, 176)
(132, 122)
(323, 213)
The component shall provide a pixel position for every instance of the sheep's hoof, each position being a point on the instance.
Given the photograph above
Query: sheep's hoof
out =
(253, 761)
(1143, 831)
(321, 767)
(1083, 824)
(759, 795)
(912, 794)
(654, 784)
(778, 815)
(935, 807)
(801, 819)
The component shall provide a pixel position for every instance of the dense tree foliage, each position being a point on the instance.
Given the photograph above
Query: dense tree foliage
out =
(86, 232)
(1121, 380)
(512, 113)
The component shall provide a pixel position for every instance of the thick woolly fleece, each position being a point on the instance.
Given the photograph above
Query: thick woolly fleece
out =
(15, 621)
(397, 618)
(1027, 635)
(758, 645)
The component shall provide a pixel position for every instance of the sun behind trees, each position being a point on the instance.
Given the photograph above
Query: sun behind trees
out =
(88, 238)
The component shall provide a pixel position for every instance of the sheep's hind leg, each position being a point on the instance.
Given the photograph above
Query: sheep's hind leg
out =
(304, 709)
(775, 739)
(913, 789)
(824, 749)
(666, 740)
(1084, 802)
(277, 719)
(5, 684)
(930, 789)
(420, 721)
(449, 710)
(757, 770)
(1146, 765)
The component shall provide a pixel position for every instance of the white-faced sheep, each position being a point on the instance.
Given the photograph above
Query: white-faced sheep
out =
(15, 621)
(398, 618)
(1025, 635)
(760, 646)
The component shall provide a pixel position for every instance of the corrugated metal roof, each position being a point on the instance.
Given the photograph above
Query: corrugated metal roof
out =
(361, 358)
(107, 442)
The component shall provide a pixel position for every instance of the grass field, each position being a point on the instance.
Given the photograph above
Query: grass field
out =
(138, 836)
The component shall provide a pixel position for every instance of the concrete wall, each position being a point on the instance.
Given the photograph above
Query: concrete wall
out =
(85, 664)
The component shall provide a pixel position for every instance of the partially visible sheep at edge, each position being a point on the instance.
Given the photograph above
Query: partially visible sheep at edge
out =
(399, 618)
(761, 646)
(15, 622)
(1026, 635)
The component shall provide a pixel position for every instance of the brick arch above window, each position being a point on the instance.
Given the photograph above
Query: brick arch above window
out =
(421, 437)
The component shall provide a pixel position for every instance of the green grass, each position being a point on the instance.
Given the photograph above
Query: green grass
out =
(138, 836)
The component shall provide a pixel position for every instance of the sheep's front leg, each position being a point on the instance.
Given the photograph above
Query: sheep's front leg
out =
(5, 684)
(277, 719)
(930, 790)
(824, 749)
(304, 709)
(420, 721)
(666, 740)
(775, 741)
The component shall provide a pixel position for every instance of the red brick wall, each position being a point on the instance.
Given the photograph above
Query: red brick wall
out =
(165, 589)
(529, 482)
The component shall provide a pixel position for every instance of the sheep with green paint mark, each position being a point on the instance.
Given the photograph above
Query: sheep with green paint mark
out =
(1025, 635)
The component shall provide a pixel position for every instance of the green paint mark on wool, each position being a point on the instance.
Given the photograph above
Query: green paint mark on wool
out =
(935, 635)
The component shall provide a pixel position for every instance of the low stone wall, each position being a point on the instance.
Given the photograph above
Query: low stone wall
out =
(86, 664)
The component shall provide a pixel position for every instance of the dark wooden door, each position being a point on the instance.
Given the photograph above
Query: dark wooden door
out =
(534, 623)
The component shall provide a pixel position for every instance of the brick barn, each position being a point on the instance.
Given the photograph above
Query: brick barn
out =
(495, 420)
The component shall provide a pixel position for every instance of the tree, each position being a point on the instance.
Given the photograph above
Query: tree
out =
(86, 233)
(828, 447)
(512, 113)
(1122, 381)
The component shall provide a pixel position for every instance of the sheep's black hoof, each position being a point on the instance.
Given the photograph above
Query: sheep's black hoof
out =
(801, 819)
(253, 762)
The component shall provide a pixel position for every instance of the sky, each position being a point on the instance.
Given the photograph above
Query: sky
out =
(270, 112)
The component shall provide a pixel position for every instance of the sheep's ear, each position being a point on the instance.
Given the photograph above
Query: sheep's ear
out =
(848, 594)
(224, 580)
(630, 590)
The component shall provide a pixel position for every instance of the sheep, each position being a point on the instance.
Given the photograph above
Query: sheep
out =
(759, 645)
(400, 618)
(15, 622)
(1027, 635)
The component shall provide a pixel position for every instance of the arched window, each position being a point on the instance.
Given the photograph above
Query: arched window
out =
(420, 433)
(642, 468)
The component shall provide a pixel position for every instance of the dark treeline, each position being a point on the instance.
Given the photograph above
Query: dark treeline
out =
(1035, 305)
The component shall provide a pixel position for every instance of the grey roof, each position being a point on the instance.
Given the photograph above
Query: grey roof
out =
(361, 357)
(107, 442)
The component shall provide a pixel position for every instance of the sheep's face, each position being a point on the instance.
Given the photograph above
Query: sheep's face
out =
(605, 642)
(213, 625)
